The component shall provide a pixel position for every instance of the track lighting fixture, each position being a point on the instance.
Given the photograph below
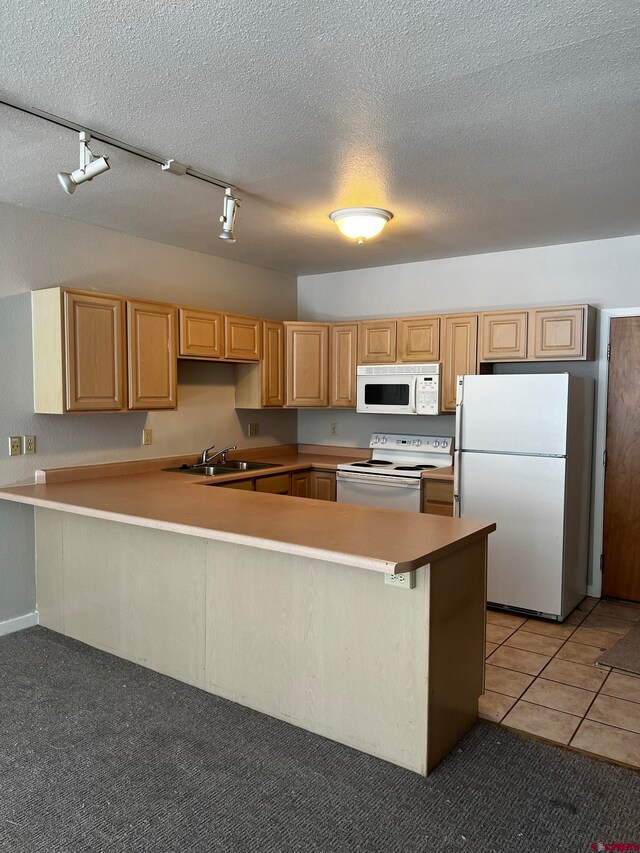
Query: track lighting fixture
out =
(230, 206)
(90, 166)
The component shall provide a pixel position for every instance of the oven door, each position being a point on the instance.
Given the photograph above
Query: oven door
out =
(379, 491)
(387, 395)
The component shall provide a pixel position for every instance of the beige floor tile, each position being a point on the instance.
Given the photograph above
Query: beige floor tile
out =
(616, 712)
(546, 723)
(534, 642)
(575, 618)
(498, 633)
(587, 604)
(622, 686)
(580, 653)
(619, 610)
(518, 659)
(576, 674)
(595, 637)
(607, 623)
(508, 620)
(489, 649)
(506, 681)
(560, 697)
(493, 706)
(549, 629)
(616, 744)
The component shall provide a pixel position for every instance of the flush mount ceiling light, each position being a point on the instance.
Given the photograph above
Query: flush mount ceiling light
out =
(90, 166)
(360, 223)
(230, 207)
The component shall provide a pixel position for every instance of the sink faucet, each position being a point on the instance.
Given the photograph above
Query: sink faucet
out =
(204, 456)
(221, 453)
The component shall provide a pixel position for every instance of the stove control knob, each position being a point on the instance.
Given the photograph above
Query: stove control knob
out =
(445, 443)
(383, 440)
(436, 443)
(376, 439)
(417, 442)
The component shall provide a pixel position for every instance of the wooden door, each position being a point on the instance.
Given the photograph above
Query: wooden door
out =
(503, 336)
(152, 355)
(300, 484)
(272, 368)
(344, 352)
(242, 338)
(307, 364)
(419, 339)
(459, 356)
(558, 333)
(621, 550)
(201, 334)
(94, 353)
(323, 485)
(377, 341)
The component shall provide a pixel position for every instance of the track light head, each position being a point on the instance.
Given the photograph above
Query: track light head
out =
(90, 167)
(230, 207)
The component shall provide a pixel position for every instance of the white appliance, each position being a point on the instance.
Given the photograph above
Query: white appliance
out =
(398, 389)
(523, 460)
(392, 478)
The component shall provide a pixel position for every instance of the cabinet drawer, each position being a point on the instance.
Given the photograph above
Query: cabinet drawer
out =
(438, 509)
(439, 491)
(276, 485)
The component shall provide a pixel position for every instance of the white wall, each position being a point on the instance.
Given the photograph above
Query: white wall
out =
(39, 250)
(604, 273)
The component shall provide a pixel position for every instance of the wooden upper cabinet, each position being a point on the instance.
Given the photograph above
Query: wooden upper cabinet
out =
(307, 348)
(343, 354)
(94, 353)
(201, 334)
(377, 341)
(272, 368)
(242, 338)
(503, 336)
(419, 339)
(561, 334)
(459, 355)
(152, 345)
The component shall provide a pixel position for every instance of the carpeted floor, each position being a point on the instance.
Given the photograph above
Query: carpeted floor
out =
(625, 654)
(97, 754)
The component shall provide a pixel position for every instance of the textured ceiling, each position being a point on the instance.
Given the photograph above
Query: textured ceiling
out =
(482, 125)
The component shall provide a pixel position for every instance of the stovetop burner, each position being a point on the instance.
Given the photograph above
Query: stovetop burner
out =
(369, 463)
(413, 467)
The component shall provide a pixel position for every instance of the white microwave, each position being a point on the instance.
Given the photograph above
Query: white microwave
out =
(398, 389)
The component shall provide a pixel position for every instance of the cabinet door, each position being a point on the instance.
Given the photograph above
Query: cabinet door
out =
(242, 338)
(151, 338)
(242, 485)
(323, 485)
(94, 353)
(307, 364)
(504, 336)
(201, 334)
(459, 356)
(377, 341)
(344, 351)
(272, 367)
(437, 497)
(419, 339)
(301, 484)
(558, 333)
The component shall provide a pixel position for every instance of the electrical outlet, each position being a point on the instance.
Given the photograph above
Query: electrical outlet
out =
(28, 444)
(254, 429)
(334, 429)
(15, 448)
(406, 580)
(147, 436)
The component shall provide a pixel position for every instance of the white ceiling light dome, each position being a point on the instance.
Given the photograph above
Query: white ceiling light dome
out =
(361, 223)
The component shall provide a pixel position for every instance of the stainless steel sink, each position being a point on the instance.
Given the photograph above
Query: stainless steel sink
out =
(230, 467)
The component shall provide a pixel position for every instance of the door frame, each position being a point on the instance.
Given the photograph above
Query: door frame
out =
(600, 443)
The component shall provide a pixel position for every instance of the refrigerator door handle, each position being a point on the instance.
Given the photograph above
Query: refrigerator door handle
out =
(459, 395)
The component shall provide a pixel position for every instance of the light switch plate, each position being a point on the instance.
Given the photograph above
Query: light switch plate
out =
(28, 444)
(147, 436)
(15, 448)
(254, 429)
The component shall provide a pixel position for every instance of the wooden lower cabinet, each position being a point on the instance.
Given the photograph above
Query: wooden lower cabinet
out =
(275, 484)
(301, 484)
(323, 485)
(437, 497)
(153, 355)
(243, 485)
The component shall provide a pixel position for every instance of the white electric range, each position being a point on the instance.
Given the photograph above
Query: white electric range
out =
(391, 478)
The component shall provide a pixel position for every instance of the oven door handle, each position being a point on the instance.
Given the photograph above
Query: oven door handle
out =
(378, 479)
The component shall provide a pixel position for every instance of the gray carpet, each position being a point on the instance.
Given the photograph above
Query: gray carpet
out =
(97, 754)
(625, 654)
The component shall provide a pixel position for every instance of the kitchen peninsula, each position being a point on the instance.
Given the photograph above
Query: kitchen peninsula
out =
(278, 603)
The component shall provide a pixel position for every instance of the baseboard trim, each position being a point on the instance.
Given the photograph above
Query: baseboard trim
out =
(19, 623)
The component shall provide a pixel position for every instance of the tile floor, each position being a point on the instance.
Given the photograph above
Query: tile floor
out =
(541, 679)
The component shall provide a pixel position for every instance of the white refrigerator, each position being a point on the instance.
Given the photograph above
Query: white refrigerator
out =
(523, 460)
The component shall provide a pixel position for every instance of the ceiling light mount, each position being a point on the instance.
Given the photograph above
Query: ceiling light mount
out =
(360, 223)
(90, 166)
(230, 207)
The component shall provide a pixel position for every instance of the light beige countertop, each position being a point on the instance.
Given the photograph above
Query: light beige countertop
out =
(140, 493)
